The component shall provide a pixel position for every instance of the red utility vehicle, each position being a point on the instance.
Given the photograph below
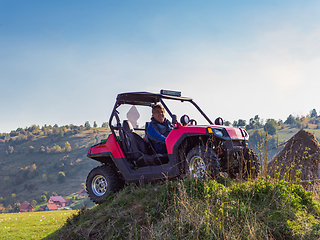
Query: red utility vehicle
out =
(128, 156)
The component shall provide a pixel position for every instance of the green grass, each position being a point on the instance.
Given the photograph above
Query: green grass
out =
(33, 225)
(201, 209)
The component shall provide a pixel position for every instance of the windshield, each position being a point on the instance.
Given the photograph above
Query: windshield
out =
(180, 108)
(139, 115)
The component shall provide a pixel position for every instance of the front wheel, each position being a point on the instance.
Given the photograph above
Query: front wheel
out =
(251, 166)
(202, 160)
(248, 166)
(101, 181)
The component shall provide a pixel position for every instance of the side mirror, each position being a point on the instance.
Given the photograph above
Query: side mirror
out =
(174, 119)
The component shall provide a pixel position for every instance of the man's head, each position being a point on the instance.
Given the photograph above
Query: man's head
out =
(158, 112)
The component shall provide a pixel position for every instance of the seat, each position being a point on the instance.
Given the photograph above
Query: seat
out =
(137, 148)
(135, 143)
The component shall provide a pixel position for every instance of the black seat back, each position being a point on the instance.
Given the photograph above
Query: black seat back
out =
(136, 145)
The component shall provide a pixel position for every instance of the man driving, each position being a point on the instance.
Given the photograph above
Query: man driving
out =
(159, 128)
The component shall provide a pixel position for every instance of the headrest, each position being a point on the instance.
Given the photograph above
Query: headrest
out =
(127, 126)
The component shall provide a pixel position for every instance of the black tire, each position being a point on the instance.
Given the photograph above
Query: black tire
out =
(101, 181)
(250, 167)
(202, 160)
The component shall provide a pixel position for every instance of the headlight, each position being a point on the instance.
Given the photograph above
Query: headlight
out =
(218, 132)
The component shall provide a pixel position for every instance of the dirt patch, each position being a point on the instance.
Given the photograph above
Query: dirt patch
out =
(299, 158)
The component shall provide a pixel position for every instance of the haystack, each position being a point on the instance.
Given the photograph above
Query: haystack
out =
(299, 158)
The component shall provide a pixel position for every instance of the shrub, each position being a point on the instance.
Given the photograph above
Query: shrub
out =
(61, 177)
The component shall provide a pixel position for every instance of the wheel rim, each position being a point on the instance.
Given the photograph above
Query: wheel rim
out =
(197, 167)
(99, 185)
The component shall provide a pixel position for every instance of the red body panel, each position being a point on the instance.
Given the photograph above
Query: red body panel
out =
(175, 134)
(234, 133)
(111, 145)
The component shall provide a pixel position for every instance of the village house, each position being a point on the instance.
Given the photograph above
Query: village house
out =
(26, 207)
(57, 200)
(82, 193)
(50, 207)
(68, 201)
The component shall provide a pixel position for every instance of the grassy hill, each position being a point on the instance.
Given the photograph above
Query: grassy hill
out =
(201, 209)
(30, 163)
(29, 167)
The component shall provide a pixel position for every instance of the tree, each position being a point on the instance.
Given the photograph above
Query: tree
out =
(271, 126)
(16, 207)
(313, 113)
(31, 149)
(10, 149)
(32, 186)
(9, 209)
(45, 193)
(251, 124)
(34, 203)
(254, 123)
(6, 179)
(235, 123)
(56, 148)
(104, 125)
(95, 124)
(67, 147)
(43, 198)
(239, 123)
(227, 123)
(13, 197)
(87, 125)
(290, 120)
(61, 132)
(42, 149)
(61, 177)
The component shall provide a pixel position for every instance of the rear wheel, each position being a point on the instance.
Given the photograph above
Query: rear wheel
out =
(101, 181)
(202, 160)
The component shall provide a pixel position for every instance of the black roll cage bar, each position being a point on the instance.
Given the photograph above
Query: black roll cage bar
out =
(147, 99)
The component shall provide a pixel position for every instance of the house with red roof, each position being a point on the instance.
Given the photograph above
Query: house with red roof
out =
(57, 200)
(82, 193)
(26, 207)
(68, 201)
(51, 207)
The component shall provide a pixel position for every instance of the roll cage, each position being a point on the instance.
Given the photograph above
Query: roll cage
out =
(148, 99)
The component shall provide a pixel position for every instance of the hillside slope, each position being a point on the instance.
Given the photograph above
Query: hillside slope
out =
(30, 167)
(198, 209)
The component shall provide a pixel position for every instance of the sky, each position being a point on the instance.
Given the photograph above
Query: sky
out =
(64, 62)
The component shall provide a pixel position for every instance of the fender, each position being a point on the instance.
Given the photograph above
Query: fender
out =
(109, 147)
(176, 134)
(225, 133)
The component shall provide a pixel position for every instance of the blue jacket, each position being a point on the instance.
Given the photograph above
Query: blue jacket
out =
(157, 133)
